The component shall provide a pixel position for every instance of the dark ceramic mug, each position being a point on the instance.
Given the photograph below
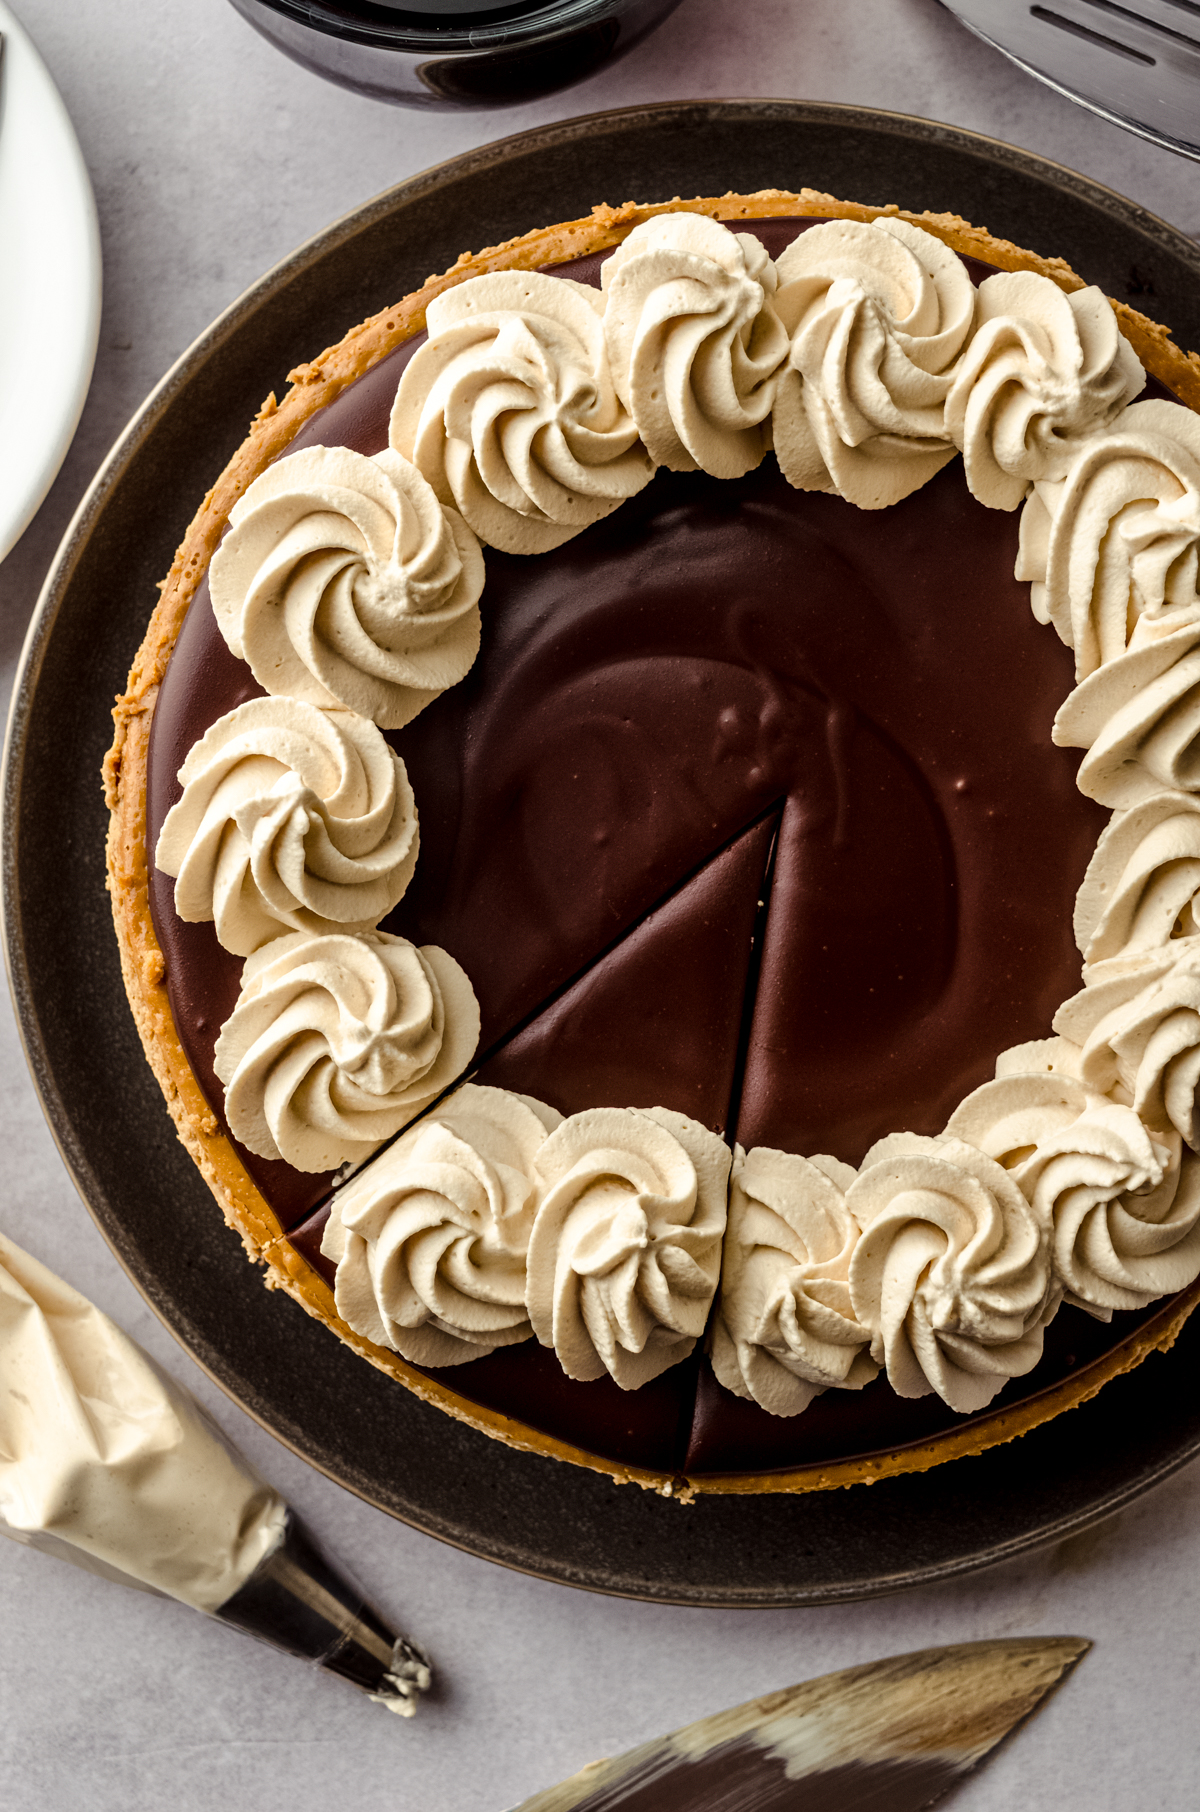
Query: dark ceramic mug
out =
(454, 53)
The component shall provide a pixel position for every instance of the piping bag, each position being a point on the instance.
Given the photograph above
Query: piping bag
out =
(108, 1463)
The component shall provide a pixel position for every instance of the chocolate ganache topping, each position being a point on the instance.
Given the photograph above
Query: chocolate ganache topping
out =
(732, 817)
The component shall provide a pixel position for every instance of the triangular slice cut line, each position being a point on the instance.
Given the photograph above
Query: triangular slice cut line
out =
(857, 951)
(657, 1021)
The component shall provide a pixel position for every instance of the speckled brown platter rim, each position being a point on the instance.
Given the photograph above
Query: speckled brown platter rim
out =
(527, 1512)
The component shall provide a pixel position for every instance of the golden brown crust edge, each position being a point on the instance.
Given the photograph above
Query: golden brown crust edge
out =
(313, 386)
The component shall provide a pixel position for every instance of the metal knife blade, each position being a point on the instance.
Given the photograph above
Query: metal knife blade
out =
(890, 1737)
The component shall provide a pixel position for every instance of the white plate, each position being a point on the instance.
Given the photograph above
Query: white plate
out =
(49, 281)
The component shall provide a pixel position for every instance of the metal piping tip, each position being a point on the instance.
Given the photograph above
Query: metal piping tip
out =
(299, 1600)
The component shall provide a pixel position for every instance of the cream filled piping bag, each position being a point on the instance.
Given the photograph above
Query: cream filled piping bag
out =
(109, 1464)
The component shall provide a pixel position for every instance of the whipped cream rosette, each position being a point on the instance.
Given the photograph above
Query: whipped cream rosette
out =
(1123, 1201)
(1010, 1118)
(694, 341)
(1044, 372)
(785, 1327)
(878, 314)
(952, 1274)
(337, 1041)
(1111, 547)
(1138, 1023)
(1138, 717)
(343, 581)
(430, 1240)
(510, 412)
(1125, 1207)
(1039, 1057)
(293, 818)
(625, 1251)
(1142, 887)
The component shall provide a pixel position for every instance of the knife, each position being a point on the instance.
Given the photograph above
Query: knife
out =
(893, 1736)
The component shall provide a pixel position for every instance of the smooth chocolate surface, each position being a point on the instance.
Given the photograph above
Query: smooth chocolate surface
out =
(731, 1435)
(674, 991)
(720, 650)
(748, 807)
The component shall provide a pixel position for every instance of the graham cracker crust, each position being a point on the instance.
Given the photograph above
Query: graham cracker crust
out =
(313, 386)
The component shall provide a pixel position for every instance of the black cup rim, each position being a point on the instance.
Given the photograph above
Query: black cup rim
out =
(471, 34)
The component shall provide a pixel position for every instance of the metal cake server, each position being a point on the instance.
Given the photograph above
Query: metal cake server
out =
(890, 1737)
(1135, 62)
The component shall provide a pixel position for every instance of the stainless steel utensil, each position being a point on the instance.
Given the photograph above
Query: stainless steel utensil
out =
(1136, 63)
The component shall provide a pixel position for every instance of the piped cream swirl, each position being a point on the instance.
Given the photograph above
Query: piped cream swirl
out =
(510, 412)
(952, 1273)
(1123, 1202)
(343, 581)
(430, 1239)
(1138, 717)
(292, 818)
(337, 1041)
(1138, 1022)
(1113, 547)
(626, 1248)
(1142, 887)
(878, 314)
(785, 1328)
(1125, 1207)
(694, 341)
(1010, 1117)
(1044, 372)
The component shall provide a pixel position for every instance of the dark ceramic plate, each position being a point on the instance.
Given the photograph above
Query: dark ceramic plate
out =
(101, 1099)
